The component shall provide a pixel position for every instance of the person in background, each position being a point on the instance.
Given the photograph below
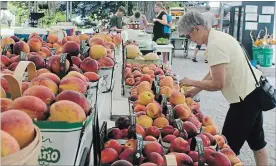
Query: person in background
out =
(160, 21)
(116, 21)
(229, 73)
(138, 17)
(211, 22)
(167, 30)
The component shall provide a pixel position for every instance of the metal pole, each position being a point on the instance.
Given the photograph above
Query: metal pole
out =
(71, 10)
(67, 11)
(221, 16)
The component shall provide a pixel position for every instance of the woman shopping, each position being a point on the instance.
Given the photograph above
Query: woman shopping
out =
(138, 17)
(232, 74)
(159, 22)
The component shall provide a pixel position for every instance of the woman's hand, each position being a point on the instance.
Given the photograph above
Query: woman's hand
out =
(186, 82)
(191, 93)
(155, 19)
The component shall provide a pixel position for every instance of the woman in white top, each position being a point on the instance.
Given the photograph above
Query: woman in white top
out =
(230, 74)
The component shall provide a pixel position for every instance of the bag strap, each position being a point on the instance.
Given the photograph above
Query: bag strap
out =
(247, 60)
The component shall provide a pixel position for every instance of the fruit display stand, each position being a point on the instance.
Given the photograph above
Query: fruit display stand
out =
(71, 67)
(14, 150)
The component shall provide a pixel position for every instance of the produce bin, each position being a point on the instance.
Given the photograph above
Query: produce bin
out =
(265, 58)
(107, 73)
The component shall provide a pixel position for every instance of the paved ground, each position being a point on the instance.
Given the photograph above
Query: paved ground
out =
(214, 105)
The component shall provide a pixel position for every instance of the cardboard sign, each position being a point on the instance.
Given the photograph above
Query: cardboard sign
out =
(62, 66)
(22, 56)
(53, 51)
(170, 113)
(197, 145)
(139, 149)
(180, 127)
(5, 49)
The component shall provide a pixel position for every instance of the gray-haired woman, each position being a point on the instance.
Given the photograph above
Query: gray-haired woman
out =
(230, 74)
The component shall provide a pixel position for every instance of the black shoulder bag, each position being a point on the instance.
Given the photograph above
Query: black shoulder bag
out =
(267, 91)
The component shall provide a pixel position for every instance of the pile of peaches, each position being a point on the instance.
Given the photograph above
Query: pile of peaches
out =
(161, 133)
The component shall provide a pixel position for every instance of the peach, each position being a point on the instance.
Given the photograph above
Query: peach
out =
(76, 60)
(150, 138)
(72, 83)
(158, 71)
(9, 145)
(106, 62)
(5, 85)
(32, 105)
(160, 122)
(7, 71)
(52, 38)
(16, 39)
(153, 147)
(182, 111)
(212, 129)
(146, 77)
(177, 98)
(137, 73)
(166, 81)
(182, 159)
(226, 146)
(139, 108)
(66, 111)
(153, 131)
(42, 54)
(92, 76)
(145, 98)
(217, 159)
(205, 140)
(114, 145)
(77, 75)
(144, 86)
(89, 65)
(67, 38)
(72, 48)
(41, 71)
(131, 143)
(6, 104)
(33, 34)
(196, 164)
(25, 86)
(42, 92)
(169, 138)
(155, 158)
(230, 155)
(115, 133)
(207, 152)
(153, 110)
(38, 61)
(206, 120)
(121, 163)
(220, 140)
(35, 44)
(54, 64)
(124, 133)
(45, 82)
(108, 156)
(199, 116)
(110, 45)
(211, 138)
(97, 52)
(190, 128)
(75, 97)
(144, 121)
(179, 145)
(19, 125)
(130, 82)
(117, 40)
(165, 90)
(46, 51)
(96, 41)
(166, 130)
(127, 154)
(239, 164)
(194, 120)
(5, 60)
(49, 45)
(21, 46)
(6, 40)
(3, 93)
(51, 76)
(140, 130)
(83, 37)
(138, 114)
(148, 164)
(193, 155)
